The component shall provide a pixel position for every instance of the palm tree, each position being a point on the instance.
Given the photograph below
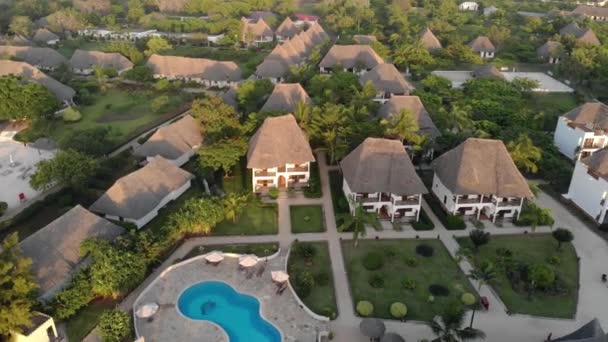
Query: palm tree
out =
(404, 126)
(448, 326)
(524, 153)
(459, 118)
(234, 205)
(357, 222)
(101, 78)
(303, 116)
(483, 275)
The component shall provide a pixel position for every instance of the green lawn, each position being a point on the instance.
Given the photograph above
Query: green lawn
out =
(259, 249)
(322, 298)
(307, 218)
(79, 326)
(239, 180)
(398, 256)
(257, 219)
(538, 248)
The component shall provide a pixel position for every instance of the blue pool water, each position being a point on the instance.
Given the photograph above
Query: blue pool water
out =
(238, 314)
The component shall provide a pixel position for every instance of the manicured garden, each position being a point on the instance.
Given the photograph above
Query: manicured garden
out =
(259, 249)
(307, 219)
(418, 273)
(532, 276)
(257, 218)
(309, 268)
(79, 326)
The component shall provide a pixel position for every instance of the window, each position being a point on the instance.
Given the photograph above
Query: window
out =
(445, 199)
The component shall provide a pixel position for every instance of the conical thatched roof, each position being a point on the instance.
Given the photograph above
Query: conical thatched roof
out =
(429, 41)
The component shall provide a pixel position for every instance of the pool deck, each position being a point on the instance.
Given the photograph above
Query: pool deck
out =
(168, 324)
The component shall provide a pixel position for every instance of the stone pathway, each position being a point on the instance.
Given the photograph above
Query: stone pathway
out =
(496, 323)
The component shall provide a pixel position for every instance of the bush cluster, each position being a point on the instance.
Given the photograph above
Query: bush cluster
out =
(303, 283)
(409, 284)
(439, 290)
(425, 250)
(454, 222)
(115, 326)
(373, 261)
(365, 308)
(313, 190)
(305, 251)
(424, 223)
(376, 281)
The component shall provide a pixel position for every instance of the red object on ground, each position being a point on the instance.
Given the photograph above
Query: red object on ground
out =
(485, 302)
(22, 197)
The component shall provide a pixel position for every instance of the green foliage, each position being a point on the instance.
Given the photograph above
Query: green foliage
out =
(92, 141)
(365, 308)
(479, 237)
(448, 325)
(128, 50)
(405, 127)
(373, 261)
(25, 100)
(532, 215)
(411, 261)
(3, 207)
(135, 10)
(196, 216)
(114, 271)
(156, 45)
(398, 310)
(303, 283)
(140, 73)
(454, 222)
(424, 223)
(17, 295)
(71, 115)
(541, 276)
(273, 193)
(74, 297)
(525, 154)
(21, 25)
(468, 299)
(314, 189)
(562, 235)
(160, 103)
(68, 168)
(115, 326)
(484, 273)
(223, 154)
(357, 222)
(305, 251)
(376, 281)
(67, 19)
(234, 204)
(252, 94)
(409, 284)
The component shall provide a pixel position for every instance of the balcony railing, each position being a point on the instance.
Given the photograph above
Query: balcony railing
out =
(297, 169)
(407, 202)
(511, 203)
(474, 200)
(265, 173)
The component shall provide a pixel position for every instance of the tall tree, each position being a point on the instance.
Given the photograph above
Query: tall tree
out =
(21, 25)
(562, 235)
(223, 154)
(197, 216)
(17, 287)
(329, 127)
(357, 222)
(404, 126)
(67, 19)
(157, 45)
(252, 94)
(234, 204)
(448, 326)
(412, 56)
(525, 154)
(67, 168)
(24, 100)
(136, 10)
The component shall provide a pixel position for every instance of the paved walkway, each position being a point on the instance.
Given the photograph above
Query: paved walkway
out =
(496, 323)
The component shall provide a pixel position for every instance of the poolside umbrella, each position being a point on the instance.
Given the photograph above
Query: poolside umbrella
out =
(279, 276)
(372, 327)
(146, 310)
(392, 337)
(248, 260)
(214, 256)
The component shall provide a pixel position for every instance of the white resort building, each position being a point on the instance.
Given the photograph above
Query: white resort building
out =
(380, 176)
(479, 178)
(279, 155)
(582, 131)
(589, 186)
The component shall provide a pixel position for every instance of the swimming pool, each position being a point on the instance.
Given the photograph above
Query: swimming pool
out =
(238, 314)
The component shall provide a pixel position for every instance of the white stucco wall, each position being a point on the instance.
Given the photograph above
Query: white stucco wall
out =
(567, 139)
(273, 180)
(587, 192)
(38, 335)
(444, 195)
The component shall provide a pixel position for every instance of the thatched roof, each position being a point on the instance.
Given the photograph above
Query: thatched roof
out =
(572, 29)
(550, 49)
(43, 36)
(488, 71)
(194, 68)
(41, 57)
(257, 15)
(592, 11)
(82, 59)
(429, 41)
(299, 45)
(364, 39)
(60, 90)
(482, 43)
(256, 27)
(287, 28)
(174, 140)
(138, 193)
(55, 249)
(349, 56)
(587, 36)
(90, 6)
(381, 165)
(286, 97)
(481, 166)
(591, 115)
(229, 97)
(385, 77)
(277, 142)
(590, 332)
(413, 104)
(317, 34)
(272, 68)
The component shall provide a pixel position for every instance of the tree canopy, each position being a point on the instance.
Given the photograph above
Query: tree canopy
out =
(68, 168)
(22, 99)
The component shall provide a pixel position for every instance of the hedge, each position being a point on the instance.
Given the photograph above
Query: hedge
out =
(450, 222)
(424, 223)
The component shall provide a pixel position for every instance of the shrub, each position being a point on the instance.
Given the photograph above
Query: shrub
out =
(425, 250)
(532, 215)
(115, 326)
(74, 297)
(468, 299)
(411, 261)
(376, 281)
(479, 238)
(424, 223)
(71, 115)
(273, 193)
(322, 278)
(562, 235)
(305, 250)
(313, 190)
(541, 276)
(373, 261)
(328, 312)
(159, 104)
(303, 283)
(3, 207)
(454, 222)
(365, 308)
(409, 284)
(439, 290)
(398, 310)
(554, 260)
